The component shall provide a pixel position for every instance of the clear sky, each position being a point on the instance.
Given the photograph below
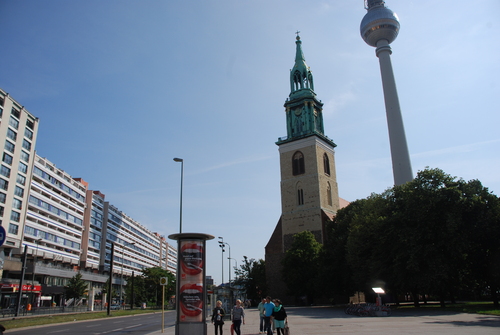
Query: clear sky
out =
(122, 87)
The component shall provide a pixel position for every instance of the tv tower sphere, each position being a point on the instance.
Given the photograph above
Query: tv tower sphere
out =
(380, 23)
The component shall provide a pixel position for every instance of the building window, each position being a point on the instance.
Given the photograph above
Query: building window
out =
(9, 146)
(23, 167)
(300, 196)
(26, 145)
(5, 171)
(1, 210)
(13, 123)
(21, 179)
(28, 133)
(11, 134)
(13, 229)
(7, 158)
(329, 194)
(3, 197)
(16, 113)
(326, 164)
(298, 165)
(17, 204)
(19, 191)
(4, 184)
(15, 216)
(25, 156)
(30, 124)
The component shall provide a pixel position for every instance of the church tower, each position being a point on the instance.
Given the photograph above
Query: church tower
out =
(309, 192)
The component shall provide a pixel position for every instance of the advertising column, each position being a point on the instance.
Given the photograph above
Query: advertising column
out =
(191, 291)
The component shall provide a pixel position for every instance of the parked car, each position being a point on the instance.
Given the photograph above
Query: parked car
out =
(115, 306)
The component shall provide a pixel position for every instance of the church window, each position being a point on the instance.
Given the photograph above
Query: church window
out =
(326, 164)
(300, 196)
(298, 166)
(329, 194)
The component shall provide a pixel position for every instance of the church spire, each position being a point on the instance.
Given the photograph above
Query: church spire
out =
(301, 78)
(304, 112)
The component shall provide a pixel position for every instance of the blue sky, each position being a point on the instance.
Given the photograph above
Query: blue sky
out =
(123, 87)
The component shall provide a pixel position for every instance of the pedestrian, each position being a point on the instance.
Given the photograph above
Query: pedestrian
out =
(238, 317)
(279, 315)
(2, 329)
(262, 315)
(269, 308)
(218, 317)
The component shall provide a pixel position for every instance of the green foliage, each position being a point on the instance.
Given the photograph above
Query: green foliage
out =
(76, 288)
(252, 276)
(152, 287)
(435, 235)
(301, 265)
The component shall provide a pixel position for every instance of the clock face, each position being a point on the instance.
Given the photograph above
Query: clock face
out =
(298, 111)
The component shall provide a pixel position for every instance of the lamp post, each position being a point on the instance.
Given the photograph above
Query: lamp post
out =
(33, 270)
(121, 276)
(221, 244)
(180, 160)
(234, 261)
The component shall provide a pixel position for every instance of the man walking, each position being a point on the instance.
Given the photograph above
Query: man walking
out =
(269, 308)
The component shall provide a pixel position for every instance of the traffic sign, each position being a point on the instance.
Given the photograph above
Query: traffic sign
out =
(163, 281)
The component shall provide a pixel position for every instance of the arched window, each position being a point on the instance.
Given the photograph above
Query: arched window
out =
(298, 166)
(326, 164)
(329, 194)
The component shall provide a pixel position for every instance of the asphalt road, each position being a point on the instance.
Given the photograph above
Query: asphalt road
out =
(133, 325)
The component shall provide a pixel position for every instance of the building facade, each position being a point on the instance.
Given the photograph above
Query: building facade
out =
(60, 225)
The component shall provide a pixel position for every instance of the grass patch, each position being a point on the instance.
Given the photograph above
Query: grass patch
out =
(21, 322)
(465, 307)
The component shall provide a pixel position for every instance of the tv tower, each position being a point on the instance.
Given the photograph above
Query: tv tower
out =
(379, 28)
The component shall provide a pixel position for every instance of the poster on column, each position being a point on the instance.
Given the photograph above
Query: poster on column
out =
(191, 281)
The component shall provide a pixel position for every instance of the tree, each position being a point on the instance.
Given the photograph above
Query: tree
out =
(481, 211)
(138, 291)
(76, 288)
(152, 287)
(252, 276)
(301, 265)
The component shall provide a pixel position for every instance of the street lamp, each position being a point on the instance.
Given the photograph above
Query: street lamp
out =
(234, 261)
(33, 278)
(121, 277)
(180, 160)
(221, 244)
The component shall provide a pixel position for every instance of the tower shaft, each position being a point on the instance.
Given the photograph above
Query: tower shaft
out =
(401, 165)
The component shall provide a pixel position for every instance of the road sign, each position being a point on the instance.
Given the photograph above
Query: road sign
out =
(3, 235)
(163, 281)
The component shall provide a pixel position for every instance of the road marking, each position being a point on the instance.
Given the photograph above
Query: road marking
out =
(58, 331)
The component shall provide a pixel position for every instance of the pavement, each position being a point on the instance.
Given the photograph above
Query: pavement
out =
(328, 320)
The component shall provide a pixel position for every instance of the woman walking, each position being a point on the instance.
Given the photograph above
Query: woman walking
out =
(238, 317)
(279, 315)
(218, 317)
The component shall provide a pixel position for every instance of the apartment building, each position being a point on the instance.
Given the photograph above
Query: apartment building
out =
(18, 132)
(62, 225)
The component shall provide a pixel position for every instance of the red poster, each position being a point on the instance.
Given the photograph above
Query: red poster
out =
(191, 281)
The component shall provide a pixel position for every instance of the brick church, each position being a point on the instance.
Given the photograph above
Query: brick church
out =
(309, 192)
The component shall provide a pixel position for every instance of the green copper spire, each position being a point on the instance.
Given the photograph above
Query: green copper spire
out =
(304, 113)
(301, 78)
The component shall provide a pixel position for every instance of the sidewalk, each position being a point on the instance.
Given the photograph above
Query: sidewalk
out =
(326, 320)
